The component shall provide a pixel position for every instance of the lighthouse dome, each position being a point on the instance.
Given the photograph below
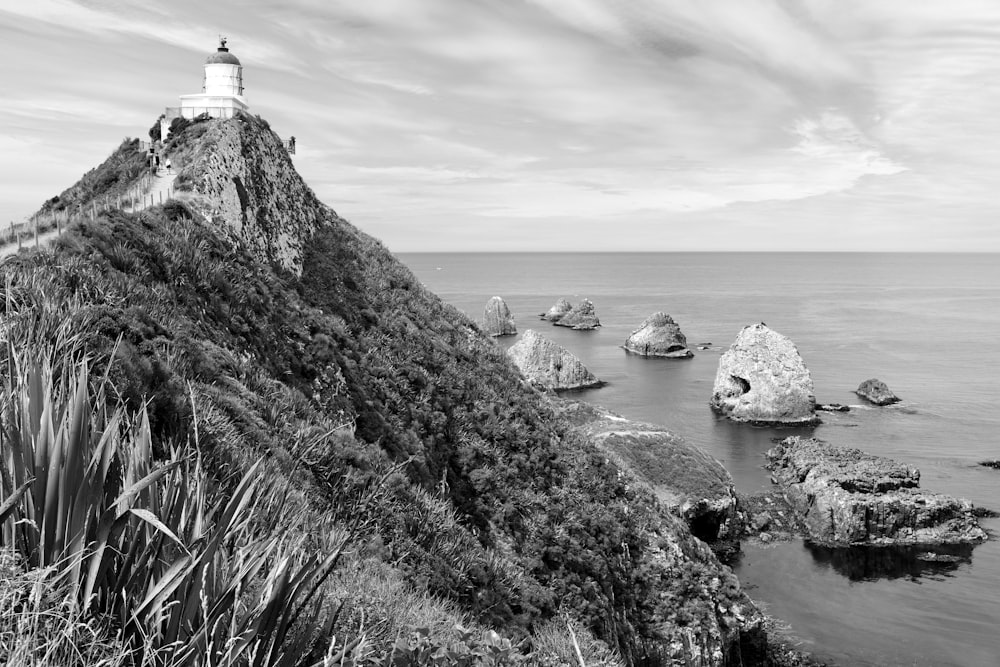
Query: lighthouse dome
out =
(222, 57)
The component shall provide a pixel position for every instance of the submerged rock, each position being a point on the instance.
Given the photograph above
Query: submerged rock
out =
(833, 407)
(550, 365)
(877, 392)
(762, 379)
(849, 497)
(555, 313)
(582, 317)
(658, 336)
(497, 320)
(684, 478)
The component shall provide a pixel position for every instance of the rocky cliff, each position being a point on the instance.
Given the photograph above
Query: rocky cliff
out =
(249, 319)
(762, 379)
(238, 173)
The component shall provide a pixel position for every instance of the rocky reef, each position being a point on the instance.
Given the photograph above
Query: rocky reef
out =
(658, 336)
(581, 317)
(555, 313)
(549, 365)
(849, 497)
(684, 478)
(877, 392)
(497, 320)
(762, 380)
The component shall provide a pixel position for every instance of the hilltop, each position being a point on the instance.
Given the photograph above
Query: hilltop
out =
(246, 324)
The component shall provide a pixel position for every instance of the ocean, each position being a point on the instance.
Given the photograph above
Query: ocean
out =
(926, 324)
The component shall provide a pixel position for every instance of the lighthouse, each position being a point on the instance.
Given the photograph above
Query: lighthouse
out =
(221, 93)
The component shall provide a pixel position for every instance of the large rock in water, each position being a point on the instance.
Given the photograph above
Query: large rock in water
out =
(549, 365)
(658, 336)
(497, 320)
(684, 478)
(582, 317)
(555, 313)
(763, 380)
(876, 392)
(848, 497)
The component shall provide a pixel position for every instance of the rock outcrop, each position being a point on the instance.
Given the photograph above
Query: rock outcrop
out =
(549, 365)
(238, 172)
(658, 336)
(762, 380)
(497, 320)
(555, 313)
(849, 497)
(877, 392)
(581, 317)
(684, 478)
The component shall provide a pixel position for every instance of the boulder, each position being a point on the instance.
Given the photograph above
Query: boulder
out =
(849, 497)
(685, 478)
(497, 320)
(581, 317)
(658, 336)
(555, 313)
(549, 365)
(877, 392)
(762, 380)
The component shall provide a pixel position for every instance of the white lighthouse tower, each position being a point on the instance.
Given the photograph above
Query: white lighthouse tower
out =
(221, 94)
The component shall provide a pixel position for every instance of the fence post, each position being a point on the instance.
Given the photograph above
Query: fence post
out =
(36, 232)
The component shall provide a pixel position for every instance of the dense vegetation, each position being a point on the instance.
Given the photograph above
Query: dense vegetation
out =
(379, 413)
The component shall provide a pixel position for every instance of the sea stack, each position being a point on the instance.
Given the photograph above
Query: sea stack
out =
(497, 320)
(555, 313)
(549, 365)
(763, 380)
(582, 317)
(658, 336)
(877, 392)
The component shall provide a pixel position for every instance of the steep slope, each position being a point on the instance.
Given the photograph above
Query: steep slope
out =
(250, 314)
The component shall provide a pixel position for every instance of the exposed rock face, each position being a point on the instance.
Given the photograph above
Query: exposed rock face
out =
(658, 336)
(763, 380)
(684, 478)
(848, 497)
(877, 392)
(497, 320)
(581, 317)
(549, 365)
(239, 173)
(555, 313)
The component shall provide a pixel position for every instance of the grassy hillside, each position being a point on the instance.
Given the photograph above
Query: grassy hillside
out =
(371, 410)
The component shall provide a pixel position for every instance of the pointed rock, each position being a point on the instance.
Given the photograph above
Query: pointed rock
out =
(549, 365)
(555, 313)
(658, 336)
(497, 320)
(581, 318)
(877, 392)
(762, 379)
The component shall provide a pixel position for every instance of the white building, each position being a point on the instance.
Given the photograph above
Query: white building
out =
(221, 93)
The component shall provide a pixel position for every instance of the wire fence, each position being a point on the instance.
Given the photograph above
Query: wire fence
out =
(136, 198)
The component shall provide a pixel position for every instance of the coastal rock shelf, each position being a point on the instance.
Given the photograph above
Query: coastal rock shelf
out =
(550, 365)
(762, 380)
(848, 497)
(497, 320)
(684, 478)
(658, 336)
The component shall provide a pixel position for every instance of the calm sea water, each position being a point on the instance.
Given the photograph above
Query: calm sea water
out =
(925, 324)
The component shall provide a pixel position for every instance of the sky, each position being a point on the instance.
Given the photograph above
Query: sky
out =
(553, 125)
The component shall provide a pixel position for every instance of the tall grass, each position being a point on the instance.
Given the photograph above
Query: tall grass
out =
(186, 581)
